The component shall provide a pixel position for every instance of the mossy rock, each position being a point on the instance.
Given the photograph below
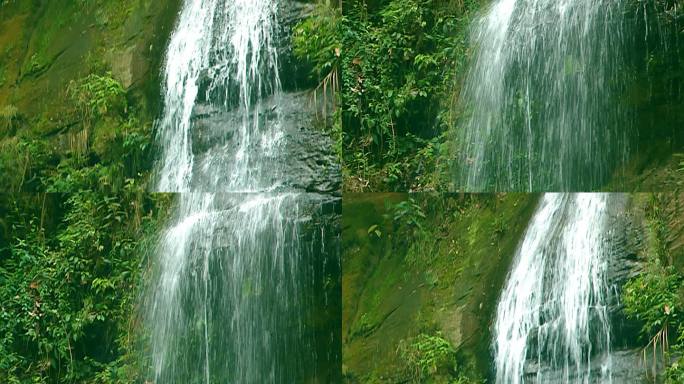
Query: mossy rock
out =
(45, 46)
(445, 279)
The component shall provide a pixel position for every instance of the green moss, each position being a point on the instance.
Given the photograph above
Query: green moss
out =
(60, 59)
(443, 277)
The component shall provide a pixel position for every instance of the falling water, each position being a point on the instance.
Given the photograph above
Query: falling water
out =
(238, 280)
(541, 98)
(237, 295)
(226, 49)
(552, 322)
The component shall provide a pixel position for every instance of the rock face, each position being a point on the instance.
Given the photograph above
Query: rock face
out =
(623, 243)
(48, 50)
(451, 284)
(447, 281)
(48, 44)
(309, 165)
(303, 158)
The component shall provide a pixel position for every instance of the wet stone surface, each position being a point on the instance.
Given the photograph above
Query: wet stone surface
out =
(302, 160)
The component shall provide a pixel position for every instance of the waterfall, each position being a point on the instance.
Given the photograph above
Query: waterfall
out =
(222, 51)
(239, 293)
(552, 321)
(542, 108)
(237, 284)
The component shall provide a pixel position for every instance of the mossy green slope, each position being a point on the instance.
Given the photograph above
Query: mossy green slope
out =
(49, 48)
(442, 278)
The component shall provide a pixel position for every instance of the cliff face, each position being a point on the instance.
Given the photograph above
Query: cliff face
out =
(47, 49)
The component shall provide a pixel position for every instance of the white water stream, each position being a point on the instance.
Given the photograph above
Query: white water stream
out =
(236, 268)
(552, 322)
(542, 109)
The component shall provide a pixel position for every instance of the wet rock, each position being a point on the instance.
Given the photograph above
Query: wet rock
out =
(627, 367)
(302, 159)
(625, 238)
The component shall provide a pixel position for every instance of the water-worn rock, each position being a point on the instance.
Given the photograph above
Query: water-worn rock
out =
(303, 160)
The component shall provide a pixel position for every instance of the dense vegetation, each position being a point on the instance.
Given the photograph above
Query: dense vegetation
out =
(655, 297)
(399, 60)
(70, 268)
(401, 66)
(78, 93)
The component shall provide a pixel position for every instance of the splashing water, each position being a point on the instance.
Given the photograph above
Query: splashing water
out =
(552, 322)
(235, 291)
(542, 109)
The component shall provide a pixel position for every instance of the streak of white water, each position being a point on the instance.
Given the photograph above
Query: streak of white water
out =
(229, 46)
(235, 280)
(541, 97)
(552, 314)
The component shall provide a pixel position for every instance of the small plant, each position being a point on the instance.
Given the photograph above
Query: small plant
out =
(407, 217)
(9, 118)
(427, 356)
(97, 96)
(680, 162)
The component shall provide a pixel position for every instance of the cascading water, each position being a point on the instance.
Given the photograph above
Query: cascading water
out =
(238, 295)
(542, 109)
(222, 51)
(239, 280)
(552, 322)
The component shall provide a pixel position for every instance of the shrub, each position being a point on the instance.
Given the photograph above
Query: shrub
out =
(9, 119)
(69, 272)
(97, 96)
(427, 356)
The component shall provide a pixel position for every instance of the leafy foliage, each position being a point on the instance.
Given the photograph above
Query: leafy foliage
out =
(654, 297)
(96, 96)
(69, 268)
(399, 66)
(316, 41)
(407, 217)
(430, 359)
